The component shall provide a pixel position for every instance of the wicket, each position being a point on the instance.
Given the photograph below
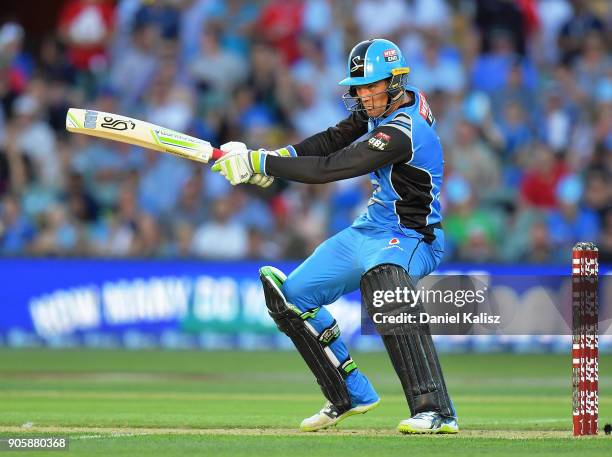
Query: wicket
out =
(585, 345)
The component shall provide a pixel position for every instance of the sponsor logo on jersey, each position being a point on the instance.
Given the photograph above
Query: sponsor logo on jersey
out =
(390, 55)
(379, 141)
(424, 109)
(393, 243)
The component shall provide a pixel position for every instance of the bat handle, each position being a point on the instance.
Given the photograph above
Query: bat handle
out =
(217, 153)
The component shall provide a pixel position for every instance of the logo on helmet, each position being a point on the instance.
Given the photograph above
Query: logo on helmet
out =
(357, 64)
(390, 55)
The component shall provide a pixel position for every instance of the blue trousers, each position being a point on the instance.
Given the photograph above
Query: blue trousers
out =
(335, 268)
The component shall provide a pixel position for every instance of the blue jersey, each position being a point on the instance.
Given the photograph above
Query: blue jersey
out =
(401, 153)
(408, 194)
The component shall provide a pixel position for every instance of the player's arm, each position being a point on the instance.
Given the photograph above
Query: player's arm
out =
(386, 145)
(391, 143)
(333, 139)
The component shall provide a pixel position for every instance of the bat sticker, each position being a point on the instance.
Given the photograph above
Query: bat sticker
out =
(91, 117)
(117, 124)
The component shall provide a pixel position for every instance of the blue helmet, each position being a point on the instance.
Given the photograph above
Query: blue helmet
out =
(371, 61)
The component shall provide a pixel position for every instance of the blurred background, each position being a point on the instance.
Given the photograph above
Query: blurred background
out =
(522, 93)
(521, 90)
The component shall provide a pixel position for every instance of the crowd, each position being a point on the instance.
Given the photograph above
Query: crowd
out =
(521, 90)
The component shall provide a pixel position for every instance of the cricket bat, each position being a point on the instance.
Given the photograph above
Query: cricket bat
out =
(140, 133)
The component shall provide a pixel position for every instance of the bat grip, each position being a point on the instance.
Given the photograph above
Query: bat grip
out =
(217, 153)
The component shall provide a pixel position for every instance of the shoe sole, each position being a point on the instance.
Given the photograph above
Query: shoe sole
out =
(443, 430)
(361, 409)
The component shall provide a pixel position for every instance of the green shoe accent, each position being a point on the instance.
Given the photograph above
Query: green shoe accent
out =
(447, 429)
(408, 430)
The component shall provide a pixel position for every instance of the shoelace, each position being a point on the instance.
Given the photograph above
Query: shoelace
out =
(425, 415)
(329, 410)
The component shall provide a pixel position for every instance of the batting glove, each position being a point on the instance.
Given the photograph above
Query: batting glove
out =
(250, 161)
(265, 180)
(238, 165)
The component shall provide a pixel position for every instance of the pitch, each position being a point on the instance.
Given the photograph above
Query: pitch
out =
(251, 403)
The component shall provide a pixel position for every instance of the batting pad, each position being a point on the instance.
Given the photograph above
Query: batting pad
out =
(410, 346)
(313, 346)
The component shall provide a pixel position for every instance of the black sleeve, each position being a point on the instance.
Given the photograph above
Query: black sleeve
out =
(385, 145)
(334, 138)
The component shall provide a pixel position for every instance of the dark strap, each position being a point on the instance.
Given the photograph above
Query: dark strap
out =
(428, 232)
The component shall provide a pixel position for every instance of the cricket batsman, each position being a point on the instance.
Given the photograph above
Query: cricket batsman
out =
(397, 241)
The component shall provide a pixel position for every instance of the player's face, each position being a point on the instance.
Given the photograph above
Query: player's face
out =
(373, 97)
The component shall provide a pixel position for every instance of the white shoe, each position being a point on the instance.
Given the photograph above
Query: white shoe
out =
(329, 415)
(429, 422)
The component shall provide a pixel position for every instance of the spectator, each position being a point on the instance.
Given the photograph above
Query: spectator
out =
(19, 63)
(474, 159)
(180, 242)
(161, 169)
(598, 192)
(540, 248)
(236, 20)
(571, 222)
(434, 70)
(491, 70)
(16, 230)
(163, 14)
(220, 238)
(35, 138)
(381, 18)
(191, 208)
(15, 167)
(86, 27)
(512, 18)
(59, 235)
(515, 129)
(580, 24)
(215, 70)
(312, 68)
(114, 236)
(314, 113)
(279, 24)
(552, 14)
(148, 238)
(102, 166)
(515, 90)
(556, 122)
(473, 231)
(54, 64)
(541, 179)
(79, 201)
(133, 71)
(593, 64)
(259, 248)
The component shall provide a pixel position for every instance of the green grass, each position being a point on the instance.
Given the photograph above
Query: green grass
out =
(250, 403)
